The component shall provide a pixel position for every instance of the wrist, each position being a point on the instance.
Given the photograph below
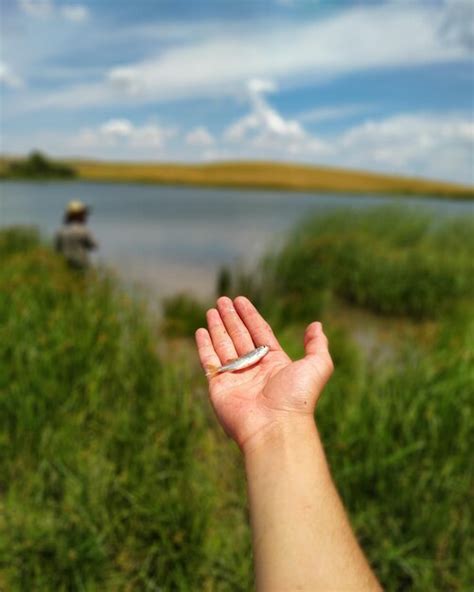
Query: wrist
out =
(279, 435)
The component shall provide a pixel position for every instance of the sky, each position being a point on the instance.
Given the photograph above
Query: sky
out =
(383, 86)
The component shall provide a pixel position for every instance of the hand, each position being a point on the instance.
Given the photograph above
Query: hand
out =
(273, 392)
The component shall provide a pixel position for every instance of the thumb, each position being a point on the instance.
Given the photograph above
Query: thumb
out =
(317, 352)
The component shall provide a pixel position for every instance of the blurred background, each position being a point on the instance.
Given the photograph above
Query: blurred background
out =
(315, 156)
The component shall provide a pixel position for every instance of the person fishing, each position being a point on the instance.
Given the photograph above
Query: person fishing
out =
(302, 538)
(74, 240)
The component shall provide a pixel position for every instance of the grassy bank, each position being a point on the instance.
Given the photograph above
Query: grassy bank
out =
(115, 475)
(390, 261)
(110, 470)
(264, 175)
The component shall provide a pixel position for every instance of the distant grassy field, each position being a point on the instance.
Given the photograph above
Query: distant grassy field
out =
(264, 175)
(114, 474)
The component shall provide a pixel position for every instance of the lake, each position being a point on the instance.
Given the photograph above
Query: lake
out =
(168, 239)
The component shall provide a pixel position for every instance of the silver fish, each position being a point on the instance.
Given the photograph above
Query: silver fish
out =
(239, 363)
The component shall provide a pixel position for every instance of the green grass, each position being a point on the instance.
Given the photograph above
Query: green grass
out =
(103, 472)
(390, 261)
(400, 449)
(115, 476)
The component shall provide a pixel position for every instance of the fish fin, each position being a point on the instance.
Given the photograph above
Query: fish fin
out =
(211, 370)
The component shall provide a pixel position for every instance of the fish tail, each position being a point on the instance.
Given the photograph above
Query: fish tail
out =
(211, 370)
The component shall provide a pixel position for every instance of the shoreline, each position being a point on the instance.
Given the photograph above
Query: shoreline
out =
(257, 175)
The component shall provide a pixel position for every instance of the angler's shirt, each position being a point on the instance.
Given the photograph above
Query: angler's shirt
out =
(75, 241)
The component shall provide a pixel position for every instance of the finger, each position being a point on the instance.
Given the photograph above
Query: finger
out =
(221, 340)
(233, 323)
(259, 329)
(206, 351)
(316, 345)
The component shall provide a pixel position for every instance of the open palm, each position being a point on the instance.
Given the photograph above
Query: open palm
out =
(274, 390)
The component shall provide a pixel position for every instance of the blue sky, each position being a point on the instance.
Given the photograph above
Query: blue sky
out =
(386, 86)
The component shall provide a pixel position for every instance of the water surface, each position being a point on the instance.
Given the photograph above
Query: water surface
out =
(170, 238)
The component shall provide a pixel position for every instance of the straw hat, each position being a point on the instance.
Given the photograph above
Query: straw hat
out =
(76, 207)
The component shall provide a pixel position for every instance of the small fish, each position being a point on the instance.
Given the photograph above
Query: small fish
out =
(239, 363)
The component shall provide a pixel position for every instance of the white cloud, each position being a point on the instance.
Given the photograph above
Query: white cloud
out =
(117, 128)
(263, 124)
(258, 86)
(296, 53)
(151, 136)
(124, 135)
(43, 9)
(422, 144)
(328, 47)
(76, 13)
(199, 136)
(8, 78)
(342, 43)
(37, 8)
(431, 145)
(217, 61)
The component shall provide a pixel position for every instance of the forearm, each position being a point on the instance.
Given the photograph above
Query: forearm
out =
(301, 536)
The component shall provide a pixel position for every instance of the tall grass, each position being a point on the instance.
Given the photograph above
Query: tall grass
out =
(102, 463)
(390, 261)
(115, 476)
(400, 448)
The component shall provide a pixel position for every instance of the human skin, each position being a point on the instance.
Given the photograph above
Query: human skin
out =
(302, 539)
